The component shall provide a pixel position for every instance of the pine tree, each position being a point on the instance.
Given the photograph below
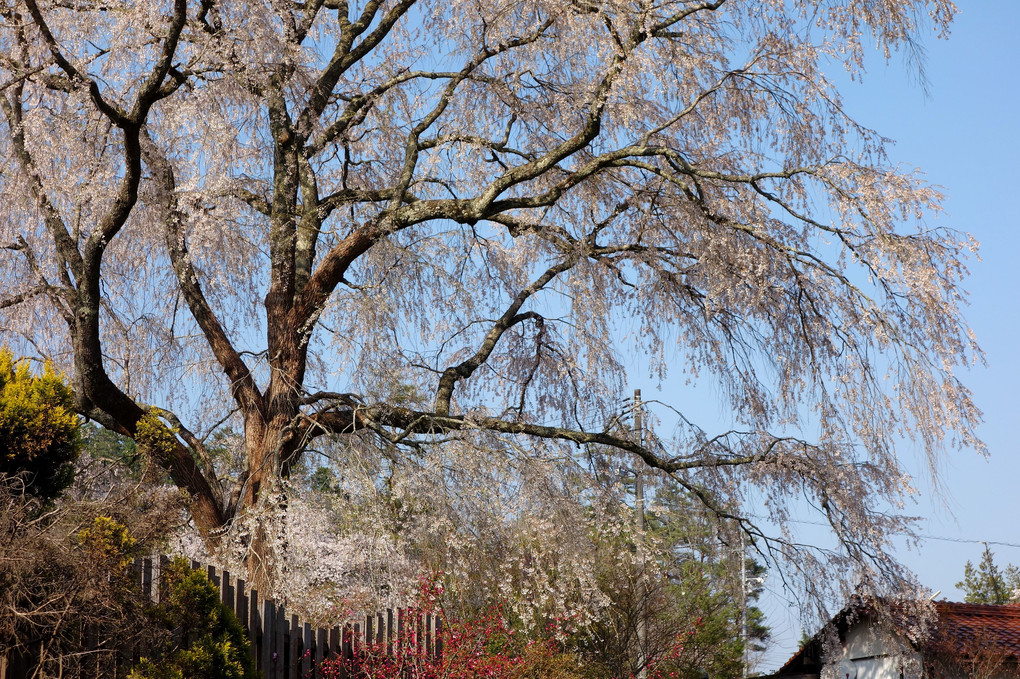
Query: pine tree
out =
(987, 584)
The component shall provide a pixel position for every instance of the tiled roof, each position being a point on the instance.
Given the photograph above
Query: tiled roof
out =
(962, 630)
(966, 627)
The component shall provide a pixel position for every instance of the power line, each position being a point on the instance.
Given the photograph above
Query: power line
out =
(923, 536)
(968, 540)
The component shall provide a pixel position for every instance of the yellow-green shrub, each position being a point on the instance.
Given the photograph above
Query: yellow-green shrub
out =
(39, 437)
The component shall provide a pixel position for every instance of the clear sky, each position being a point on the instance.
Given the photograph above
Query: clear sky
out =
(962, 131)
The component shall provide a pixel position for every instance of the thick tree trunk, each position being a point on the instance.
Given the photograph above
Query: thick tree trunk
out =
(99, 398)
(260, 508)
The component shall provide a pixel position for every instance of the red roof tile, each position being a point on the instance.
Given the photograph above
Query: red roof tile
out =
(966, 627)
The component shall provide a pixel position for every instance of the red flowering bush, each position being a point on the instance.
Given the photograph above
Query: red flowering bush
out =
(488, 647)
(482, 647)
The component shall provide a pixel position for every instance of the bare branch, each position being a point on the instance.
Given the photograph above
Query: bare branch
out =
(510, 318)
(243, 387)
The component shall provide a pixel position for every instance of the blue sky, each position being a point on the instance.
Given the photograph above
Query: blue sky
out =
(961, 130)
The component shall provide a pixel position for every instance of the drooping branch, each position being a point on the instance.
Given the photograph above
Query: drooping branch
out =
(396, 424)
(155, 87)
(59, 295)
(65, 245)
(336, 262)
(510, 318)
(110, 110)
(242, 384)
(21, 297)
(360, 106)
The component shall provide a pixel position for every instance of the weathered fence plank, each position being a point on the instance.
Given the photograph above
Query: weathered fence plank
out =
(147, 577)
(268, 629)
(280, 649)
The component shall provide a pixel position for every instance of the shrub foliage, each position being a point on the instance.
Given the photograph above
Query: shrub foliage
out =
(205, 639)
(39, 438)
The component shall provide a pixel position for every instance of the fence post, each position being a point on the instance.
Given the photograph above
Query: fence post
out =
(268, 637)
(240, 604)
(419, 632)
(255, 627)
(147, 577)
(227, 592)
(439, 638)
(213, 578)
(389, 631)
(164, 564)
(401, 622)
(347, 648)
(321, 650)
(295, 647)
(308, 644)
(280, 646)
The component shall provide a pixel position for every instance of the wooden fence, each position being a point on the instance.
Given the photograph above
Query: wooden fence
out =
(283, 646)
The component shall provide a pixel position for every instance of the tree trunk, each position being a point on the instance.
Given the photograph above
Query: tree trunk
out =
(261, 507)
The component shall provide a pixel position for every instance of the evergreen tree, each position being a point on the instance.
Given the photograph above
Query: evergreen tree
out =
(986, 583)
(699, 542)
(203, 640)
(687, 596)
(104, 444)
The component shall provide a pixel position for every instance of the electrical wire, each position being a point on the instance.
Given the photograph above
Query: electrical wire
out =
(973, 541)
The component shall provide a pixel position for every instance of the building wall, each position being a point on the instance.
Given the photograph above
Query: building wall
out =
(871, 652)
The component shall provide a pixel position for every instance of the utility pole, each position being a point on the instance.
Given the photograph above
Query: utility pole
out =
(639, 485)
(639, 526)
(743, 598)
(745, 584)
